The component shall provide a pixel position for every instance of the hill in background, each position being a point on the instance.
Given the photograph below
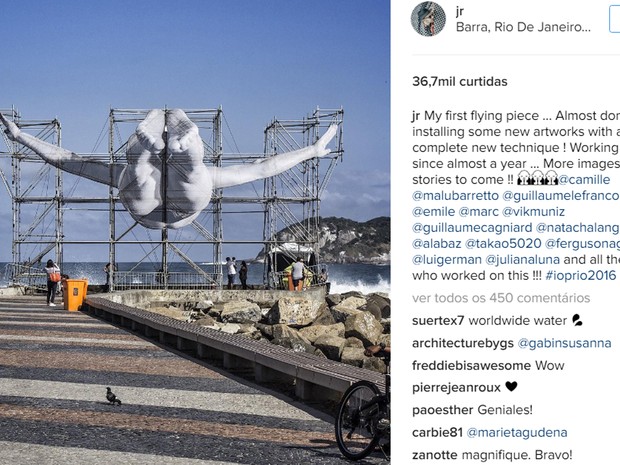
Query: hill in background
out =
(346, 241)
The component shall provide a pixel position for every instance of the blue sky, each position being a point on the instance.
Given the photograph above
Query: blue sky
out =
(280, 58)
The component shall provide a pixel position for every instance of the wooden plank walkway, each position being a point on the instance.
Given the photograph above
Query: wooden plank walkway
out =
(313, 377)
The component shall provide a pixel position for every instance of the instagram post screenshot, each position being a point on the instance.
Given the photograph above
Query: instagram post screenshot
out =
(505, 127)
(210, 209)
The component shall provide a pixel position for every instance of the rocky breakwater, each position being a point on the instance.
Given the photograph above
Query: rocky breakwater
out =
(338, 328)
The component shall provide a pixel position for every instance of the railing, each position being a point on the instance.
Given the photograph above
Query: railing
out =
(125, 280)
(35, 278)
(26, 275)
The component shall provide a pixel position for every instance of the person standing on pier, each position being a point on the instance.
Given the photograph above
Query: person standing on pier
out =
(298, 274)
(243, 275)
(231, 270)
(53, 278)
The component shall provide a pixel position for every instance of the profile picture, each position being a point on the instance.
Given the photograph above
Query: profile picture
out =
(428, 18)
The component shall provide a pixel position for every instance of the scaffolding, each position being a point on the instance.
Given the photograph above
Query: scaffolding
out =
(292, 198)
(124, 231)
(288, 200)
(36, 192)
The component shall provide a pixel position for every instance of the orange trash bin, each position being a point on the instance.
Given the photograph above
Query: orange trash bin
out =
(74, 293)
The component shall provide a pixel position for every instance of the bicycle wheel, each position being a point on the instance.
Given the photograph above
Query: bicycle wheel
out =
(355, 430)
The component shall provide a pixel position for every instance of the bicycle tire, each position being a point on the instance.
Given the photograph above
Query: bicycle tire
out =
(355, 434)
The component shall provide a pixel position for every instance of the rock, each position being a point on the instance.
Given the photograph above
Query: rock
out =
(282, 330)
(189, 306)
(247, 328)
(214, 315)
(374, 364)
(172, 312)
(312, 332)
(337, 328)
(373, 310)
(354, 342)
(265, 303)
(284, 335)
(341, 314)
(216, 310)
(206, 320)
(293, 343)
(203, 306)
(333, 299)
(345, 237)
(379, 305)
(331, 346)
(324, 316)
(363, 326)
(296, 311)
(386, 339)
(353, 356)
(230, 328)
(255, 334)
(346, 295)
(240, 311)
(266, 330)
(354, 302)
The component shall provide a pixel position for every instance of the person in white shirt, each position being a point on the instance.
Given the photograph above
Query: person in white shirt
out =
(231, 269)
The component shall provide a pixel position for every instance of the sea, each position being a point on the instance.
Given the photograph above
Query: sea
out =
(344, 277)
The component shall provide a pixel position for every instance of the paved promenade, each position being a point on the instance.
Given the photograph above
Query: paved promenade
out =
(55, 366)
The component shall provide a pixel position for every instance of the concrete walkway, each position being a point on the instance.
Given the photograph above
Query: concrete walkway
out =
(54, 369)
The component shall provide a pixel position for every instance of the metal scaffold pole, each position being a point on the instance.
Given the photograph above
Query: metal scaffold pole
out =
(292, 198)
(36, 197)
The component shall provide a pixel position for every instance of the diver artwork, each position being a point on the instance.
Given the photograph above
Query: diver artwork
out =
(165, 183)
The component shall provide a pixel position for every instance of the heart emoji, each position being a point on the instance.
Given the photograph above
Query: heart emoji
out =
(511, 385)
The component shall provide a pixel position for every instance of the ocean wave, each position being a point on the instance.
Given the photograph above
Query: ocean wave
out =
(340, 286)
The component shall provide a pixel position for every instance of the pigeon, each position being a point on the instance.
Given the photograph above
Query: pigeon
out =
(112, 397)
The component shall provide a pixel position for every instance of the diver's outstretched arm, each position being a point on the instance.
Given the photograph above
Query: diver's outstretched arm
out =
(64, 159)
(239, 174)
